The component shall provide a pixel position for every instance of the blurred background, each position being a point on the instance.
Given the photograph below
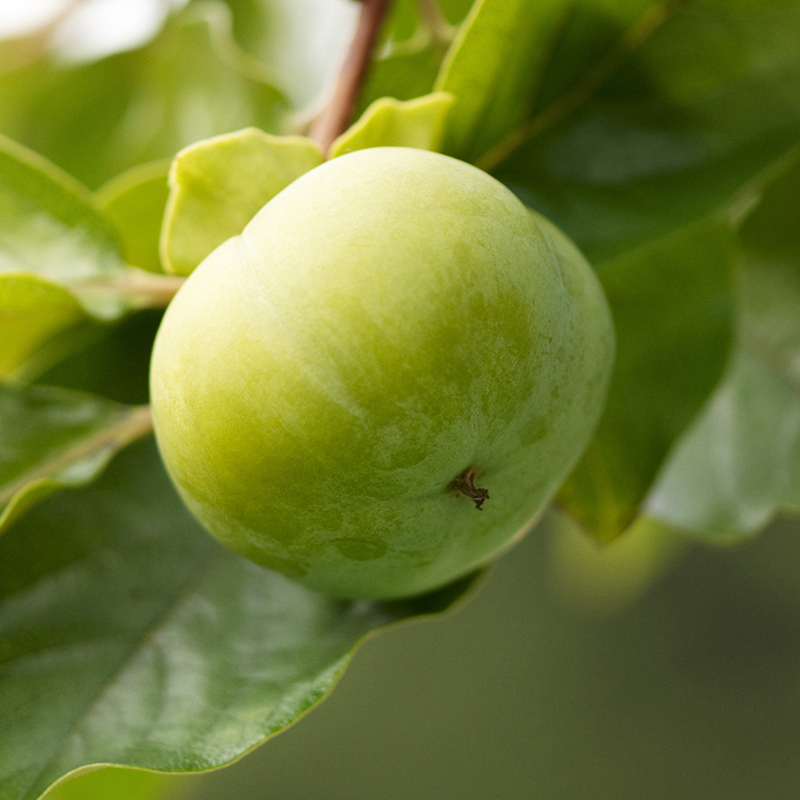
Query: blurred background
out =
(653, 668)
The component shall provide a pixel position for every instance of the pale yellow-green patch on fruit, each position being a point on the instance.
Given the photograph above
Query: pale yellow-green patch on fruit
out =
(392, 327)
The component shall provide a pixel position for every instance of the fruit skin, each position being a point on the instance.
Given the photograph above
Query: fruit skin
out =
(390, 319)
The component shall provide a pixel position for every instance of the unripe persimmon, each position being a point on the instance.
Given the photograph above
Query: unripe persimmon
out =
(384, 379)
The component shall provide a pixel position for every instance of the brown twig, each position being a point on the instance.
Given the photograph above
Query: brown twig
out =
(335, 117)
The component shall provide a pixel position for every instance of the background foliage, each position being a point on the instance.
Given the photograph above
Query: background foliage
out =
(662, 136)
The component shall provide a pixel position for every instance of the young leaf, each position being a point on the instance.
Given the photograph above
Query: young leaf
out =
(391, 123)
(37, 320)
(673, 306)
(190, 83)
(119, 784)
(51, 438)
(128, 636)
(740, 464)
(134, 203)
(217, 187)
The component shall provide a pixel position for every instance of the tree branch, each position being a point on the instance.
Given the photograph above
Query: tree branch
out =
(145, 289)
(335, 117)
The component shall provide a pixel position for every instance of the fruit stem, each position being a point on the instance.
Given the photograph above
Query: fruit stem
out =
(465, 484)
(335, 117)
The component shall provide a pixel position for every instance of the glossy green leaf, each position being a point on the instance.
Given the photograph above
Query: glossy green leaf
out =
(391, 123)
(673, 309)
(134, 204)
(51, 438)
(642, 127)
(128, 636)
(740, 464)
(217, 187)
(190, 83)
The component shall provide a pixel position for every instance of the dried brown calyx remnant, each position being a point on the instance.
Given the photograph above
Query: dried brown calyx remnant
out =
(465, 484)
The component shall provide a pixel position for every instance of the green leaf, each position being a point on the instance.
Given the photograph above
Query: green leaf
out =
(666, 120)
(38, 322)
(119, 784)
(50, 224)
(673, 308)
(60, 267)
(128, 636)
(190, 83)
(54, 242)
(134, 204)
(51, 438)
(387, 122)
(218, 186)
(492, 69)
(407, 71)
(740, 464)
(417, 36)
(113, 361)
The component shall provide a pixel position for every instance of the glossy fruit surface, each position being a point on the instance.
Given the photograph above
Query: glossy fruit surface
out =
(393, 326)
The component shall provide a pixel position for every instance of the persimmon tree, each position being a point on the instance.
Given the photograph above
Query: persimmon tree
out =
(662, 137)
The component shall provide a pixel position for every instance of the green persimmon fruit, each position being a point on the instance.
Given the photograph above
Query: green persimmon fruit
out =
(383, 379)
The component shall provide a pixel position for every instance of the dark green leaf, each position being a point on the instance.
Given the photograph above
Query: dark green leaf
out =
(670, 121)
(128, 636)
(114, 360)
(673, 305)
(51, 438)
